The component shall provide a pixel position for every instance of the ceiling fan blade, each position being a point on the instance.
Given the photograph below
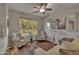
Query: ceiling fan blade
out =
(36, 11)
(48, 9)
(36, 7)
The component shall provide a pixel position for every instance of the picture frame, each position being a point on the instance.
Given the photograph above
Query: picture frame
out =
(59, 23)
(72, 22)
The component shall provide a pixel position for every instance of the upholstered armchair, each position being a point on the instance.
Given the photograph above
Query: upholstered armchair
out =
(72, 48)
(69, 52)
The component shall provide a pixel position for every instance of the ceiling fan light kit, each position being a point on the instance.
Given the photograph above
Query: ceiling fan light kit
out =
(42, 8)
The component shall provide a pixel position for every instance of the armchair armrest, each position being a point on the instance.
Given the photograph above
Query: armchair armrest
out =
(69, 52)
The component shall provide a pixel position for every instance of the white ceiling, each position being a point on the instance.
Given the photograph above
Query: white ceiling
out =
(28, 8)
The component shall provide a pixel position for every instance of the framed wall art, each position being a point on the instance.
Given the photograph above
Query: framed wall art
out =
(59, 24)
(72, 22)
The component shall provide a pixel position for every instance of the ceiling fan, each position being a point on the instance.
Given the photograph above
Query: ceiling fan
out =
(42, 8)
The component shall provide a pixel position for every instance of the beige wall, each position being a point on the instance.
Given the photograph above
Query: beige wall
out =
(3, 37)
(2, 19)
(14, 18)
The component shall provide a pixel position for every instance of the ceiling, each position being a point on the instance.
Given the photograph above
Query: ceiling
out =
(28, 8)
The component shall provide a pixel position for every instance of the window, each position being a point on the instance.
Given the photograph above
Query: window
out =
(48, 25)
(28, 26)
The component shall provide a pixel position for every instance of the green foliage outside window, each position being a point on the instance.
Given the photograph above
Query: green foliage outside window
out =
(28, 26)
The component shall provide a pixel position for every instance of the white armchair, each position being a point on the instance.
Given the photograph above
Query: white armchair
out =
(16, 36)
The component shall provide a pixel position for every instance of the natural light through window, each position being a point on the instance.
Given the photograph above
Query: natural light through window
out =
(28, 26)
(48, 25)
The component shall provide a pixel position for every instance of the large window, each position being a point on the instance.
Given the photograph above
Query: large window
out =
(28, 26)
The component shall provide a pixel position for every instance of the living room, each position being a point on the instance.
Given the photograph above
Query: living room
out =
(41, 28)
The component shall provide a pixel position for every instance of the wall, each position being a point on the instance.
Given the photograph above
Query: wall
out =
(3, 37)
(62, 33)
(2, 20)
(14, 18)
